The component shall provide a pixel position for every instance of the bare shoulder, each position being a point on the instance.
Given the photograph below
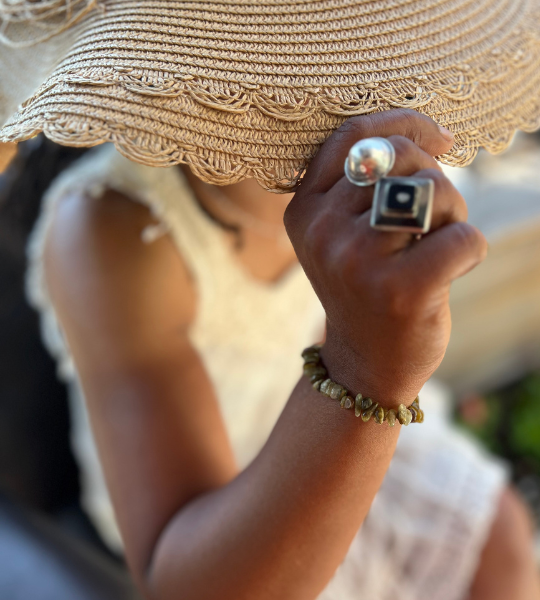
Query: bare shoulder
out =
(101, 274)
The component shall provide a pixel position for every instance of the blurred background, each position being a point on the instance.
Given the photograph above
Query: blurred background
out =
(49, 550)
(492, 367)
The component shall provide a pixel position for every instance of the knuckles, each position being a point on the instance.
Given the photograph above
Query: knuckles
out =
(443, 185)
(349, 263)
(391, 294)
(317, 237)
(354, 128)
(472, 239)
(296, 214)
(400, 142)
(289, 218)
(457, 207)
(380, 284)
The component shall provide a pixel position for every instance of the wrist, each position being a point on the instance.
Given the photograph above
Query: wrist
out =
(352, 370)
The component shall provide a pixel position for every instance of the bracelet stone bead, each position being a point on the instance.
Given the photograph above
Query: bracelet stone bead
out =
(365, 408)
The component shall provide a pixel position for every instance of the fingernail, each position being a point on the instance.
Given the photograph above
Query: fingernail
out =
(446, 133)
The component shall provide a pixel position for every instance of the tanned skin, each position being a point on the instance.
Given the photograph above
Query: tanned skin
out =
(193, 525)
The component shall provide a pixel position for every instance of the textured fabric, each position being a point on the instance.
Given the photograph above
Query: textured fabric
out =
(244, 88)
(425, 530)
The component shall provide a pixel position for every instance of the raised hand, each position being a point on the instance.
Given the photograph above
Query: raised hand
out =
(385, 294)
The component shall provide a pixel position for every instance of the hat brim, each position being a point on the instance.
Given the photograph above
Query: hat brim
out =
(170, 83)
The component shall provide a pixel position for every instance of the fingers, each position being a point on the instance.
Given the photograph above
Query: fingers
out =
(444, 255)
(449, 205)
(327, 167)
(337, 210)
(410, 158)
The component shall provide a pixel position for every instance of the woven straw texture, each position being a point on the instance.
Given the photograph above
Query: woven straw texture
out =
(252, 88)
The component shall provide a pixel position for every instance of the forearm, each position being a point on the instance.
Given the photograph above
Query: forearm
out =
(282, 527)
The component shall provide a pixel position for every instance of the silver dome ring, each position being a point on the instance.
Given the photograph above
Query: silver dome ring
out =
(370, 160)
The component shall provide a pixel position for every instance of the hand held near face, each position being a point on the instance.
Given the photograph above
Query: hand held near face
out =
(385, 293)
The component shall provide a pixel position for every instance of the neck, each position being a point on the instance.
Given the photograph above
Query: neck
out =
(265, 250)
(247, 195)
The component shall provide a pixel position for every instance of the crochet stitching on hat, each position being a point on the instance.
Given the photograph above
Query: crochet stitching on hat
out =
(240, 88)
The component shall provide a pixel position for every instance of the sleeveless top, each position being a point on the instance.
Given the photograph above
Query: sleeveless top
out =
(429, 521)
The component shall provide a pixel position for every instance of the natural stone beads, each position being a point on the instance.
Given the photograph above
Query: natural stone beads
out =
(358, 405)
(332, 389)
(347, 402)
(404, 415)
(391, 417)
(379, 415)
(311, 354)
(365, 402)
(336, 391)
(368, 413)
(324, 385)
(317, 384)
(417, 412)
(365, 408)
(312, 369)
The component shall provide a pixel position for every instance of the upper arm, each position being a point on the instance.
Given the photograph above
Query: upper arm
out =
(125, 308)
(100, 274)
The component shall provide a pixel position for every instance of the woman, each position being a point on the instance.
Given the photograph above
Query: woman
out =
(207, 507)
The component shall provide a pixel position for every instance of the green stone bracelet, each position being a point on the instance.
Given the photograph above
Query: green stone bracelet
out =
(364, 408)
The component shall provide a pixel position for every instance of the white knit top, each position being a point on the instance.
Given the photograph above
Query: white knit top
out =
(427, 526)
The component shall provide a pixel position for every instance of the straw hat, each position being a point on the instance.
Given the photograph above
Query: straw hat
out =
(251, 88)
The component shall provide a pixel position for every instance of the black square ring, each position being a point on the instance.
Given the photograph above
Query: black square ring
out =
(403, 204)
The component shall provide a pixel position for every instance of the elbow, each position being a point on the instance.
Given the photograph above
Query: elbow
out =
(158, 577)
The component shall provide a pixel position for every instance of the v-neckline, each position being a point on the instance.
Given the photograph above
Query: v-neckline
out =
(276, 284)
(242, 270)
